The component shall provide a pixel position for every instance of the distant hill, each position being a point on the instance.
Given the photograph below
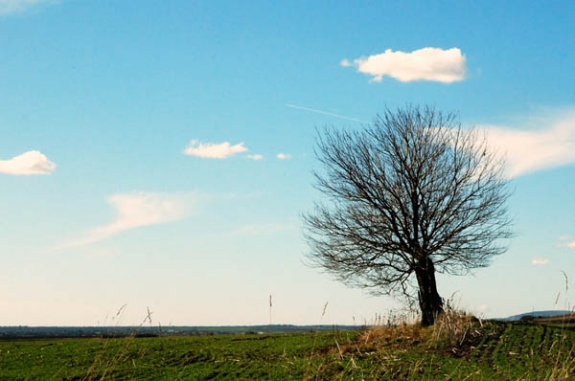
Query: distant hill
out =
(537, 314)
(25, 332)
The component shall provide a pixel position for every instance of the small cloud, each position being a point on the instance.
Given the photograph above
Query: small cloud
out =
(8, 7)
(427, 64)
(564, 242)
(213, 150)
(345, 63)
(136, 210)
(283, 156)
(540, 261)
(550, 146)
(28, 163)
(255, 157)
(484, 308)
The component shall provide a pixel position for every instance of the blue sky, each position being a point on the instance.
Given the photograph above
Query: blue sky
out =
(159, 154)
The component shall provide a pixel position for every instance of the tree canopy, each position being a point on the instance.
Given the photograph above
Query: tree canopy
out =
(410, 195)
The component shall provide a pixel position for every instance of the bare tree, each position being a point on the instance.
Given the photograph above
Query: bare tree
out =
(411, 195)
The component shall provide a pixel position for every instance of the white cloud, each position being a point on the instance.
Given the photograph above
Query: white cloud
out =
(14, 6)
(564, 242)
(213, 150)
(255, 157)
(345, 63)
(540, 261)
(551, 146)
(283, 156)
(427, 64)
(28, 163)
(135, 210)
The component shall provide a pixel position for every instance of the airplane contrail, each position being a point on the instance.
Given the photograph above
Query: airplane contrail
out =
(325, 113)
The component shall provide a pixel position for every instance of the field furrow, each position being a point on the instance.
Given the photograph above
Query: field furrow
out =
(492, 351)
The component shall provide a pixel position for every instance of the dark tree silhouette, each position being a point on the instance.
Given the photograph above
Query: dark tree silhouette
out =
(410, 195)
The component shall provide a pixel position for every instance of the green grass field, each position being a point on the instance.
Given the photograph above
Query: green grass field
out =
(462, 349)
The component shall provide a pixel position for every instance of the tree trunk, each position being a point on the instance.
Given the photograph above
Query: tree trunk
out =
(430, 302)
